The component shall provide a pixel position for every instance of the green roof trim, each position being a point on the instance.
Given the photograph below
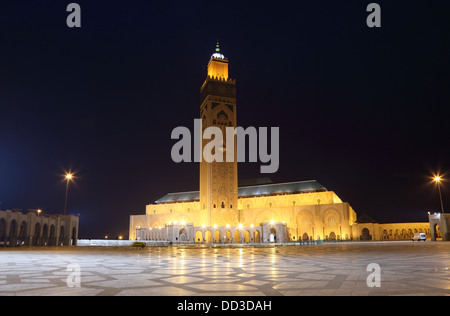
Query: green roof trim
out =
(253, 190)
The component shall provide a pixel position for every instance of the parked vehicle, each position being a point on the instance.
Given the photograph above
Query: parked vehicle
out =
(419, 237)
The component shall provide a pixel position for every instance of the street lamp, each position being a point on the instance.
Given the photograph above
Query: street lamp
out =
(438, 179)
(69, 177)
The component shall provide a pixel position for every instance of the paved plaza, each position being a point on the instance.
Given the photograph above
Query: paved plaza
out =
(406, 268)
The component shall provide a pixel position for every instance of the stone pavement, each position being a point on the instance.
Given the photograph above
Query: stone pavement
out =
(406, 268)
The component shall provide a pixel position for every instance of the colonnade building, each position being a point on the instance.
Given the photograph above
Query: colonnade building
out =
(31, 228)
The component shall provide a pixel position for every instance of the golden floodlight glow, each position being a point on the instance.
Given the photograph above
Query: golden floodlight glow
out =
(182, 222)
(437, 178)
(69, 176)
(240, 225)
(272, 222)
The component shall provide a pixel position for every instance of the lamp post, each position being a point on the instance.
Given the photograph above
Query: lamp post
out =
(437, 179)
(68, 178)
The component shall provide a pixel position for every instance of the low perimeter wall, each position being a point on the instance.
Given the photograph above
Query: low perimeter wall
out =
(116, 243)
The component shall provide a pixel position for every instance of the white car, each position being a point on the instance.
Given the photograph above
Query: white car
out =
(419, 237)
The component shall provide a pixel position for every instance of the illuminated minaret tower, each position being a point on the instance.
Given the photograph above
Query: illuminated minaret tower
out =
(218, 180)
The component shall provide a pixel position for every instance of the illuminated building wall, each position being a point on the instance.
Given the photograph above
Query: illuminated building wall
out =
(223, 212)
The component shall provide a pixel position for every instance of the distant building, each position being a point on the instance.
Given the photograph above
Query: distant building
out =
(31, 228)
(254, 212)
(440, 226)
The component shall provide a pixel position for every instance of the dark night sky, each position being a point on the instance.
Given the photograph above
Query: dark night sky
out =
(361, 110)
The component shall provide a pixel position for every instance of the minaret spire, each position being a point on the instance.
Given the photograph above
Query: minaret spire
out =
(217, 47)
(218, 178)
(217, 54)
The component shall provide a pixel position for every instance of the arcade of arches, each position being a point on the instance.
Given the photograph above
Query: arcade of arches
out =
(327, 219)
(188, 233)
(18, 229)
(395, 231)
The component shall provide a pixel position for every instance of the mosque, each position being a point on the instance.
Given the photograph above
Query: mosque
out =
(226, 210)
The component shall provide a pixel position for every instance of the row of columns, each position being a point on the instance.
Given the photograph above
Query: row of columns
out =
(266, 232)
(18, 229)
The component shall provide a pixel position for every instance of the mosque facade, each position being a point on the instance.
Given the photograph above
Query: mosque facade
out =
(226, 211)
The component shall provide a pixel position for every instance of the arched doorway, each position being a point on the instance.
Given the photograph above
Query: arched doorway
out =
(217, 236)
(52, 236)
(256, 237)
(22, 237)
(182, 236)
(365, 235)
(246, 236)
(437, 231)
(198, 237)
(208, 237)
(305, 237)
(237, 236)
(37, 235)
(227, 237)
(45, 235)
(332, 236)
(13, 234)
(273, 235)
(74, 236)
(62, 236)
(2, 232)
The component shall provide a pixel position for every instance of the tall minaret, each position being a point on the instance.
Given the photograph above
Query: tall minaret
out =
(218, 180)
